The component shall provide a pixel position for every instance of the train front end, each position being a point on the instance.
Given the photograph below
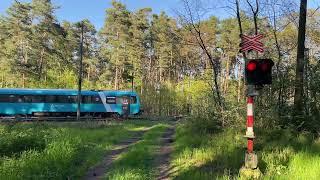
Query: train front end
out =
(122, 103)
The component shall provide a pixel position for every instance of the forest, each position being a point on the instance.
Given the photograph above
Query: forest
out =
(185, 65)
(188, 64)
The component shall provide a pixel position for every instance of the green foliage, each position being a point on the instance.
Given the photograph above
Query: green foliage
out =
(15, 140)
(206, 156)
(65, 80)
(162, 56)
(283, 154)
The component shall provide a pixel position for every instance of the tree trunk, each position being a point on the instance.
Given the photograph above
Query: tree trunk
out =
(226, 77)
(23, 80)
(239, 17)
(88, 75)
(243, 53)
(298, 93)
(2, 80)
(41, 64)
(239, 85)
(278, 74)
(116, 79)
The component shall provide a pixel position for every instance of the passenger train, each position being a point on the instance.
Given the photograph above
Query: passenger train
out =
(63, 102)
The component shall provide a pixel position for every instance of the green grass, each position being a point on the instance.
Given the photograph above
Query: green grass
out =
(138, 162)
(282, 154)
(58, 150)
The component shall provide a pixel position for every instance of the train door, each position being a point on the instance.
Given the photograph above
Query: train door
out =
(126, 106)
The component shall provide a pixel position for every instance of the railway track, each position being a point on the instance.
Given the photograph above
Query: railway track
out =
(61, 119)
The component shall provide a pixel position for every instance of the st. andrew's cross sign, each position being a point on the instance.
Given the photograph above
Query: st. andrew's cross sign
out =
(252, 43)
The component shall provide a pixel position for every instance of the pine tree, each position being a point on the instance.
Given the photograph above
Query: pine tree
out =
(140, 43)
(44, 36)
(116, 33)
(16, 35)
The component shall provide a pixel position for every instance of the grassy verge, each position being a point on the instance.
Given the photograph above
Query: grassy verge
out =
(282, 154)
(138, 161)
(57, 150)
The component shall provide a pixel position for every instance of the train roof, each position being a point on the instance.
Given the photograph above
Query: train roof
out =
(63, 91)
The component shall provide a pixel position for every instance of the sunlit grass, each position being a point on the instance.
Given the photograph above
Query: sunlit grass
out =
(58, 150)
(282, 154)
(138, 162)
(204, 156)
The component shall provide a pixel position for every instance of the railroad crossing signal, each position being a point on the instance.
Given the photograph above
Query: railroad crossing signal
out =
(259, 71)
(251, 43)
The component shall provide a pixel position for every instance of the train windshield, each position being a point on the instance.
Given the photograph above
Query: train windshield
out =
(126, 100)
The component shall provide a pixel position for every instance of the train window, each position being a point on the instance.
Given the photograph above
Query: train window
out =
(4, 98)
(27, 98)
(13, 98)
(72, 99)
(123, 100)
(119, 100)
(37, 99)
(111, 100)
(20, 99)
(62, 99)
(86, 99)
(96, 100)
(50, 99)
(133, 100)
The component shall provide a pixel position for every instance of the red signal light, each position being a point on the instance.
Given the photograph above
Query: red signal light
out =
(265, 66)
(259, 71)
(252, 65)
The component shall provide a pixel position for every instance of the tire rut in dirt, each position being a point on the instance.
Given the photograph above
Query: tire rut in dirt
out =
(162, 160)
(99, 171)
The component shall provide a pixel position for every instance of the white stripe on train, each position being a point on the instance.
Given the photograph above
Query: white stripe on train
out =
(104, 101)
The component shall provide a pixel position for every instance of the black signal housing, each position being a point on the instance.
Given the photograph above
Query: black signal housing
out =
(259, 71)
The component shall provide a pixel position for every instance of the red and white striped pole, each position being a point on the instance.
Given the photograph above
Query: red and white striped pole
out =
(250, 120)
(251, 159)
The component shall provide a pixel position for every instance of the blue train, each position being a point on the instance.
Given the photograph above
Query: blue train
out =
(63, 102)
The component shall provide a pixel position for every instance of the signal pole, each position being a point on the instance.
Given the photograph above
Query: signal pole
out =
(80, 75)
(251, 160)
(250, 121)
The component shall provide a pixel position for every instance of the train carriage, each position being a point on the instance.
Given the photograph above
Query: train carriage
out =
(63, 102)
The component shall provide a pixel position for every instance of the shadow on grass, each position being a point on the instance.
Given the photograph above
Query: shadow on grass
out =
(225, 164)
(136, 163)
(275, 149)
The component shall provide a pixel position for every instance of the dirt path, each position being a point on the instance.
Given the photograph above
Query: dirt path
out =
(163, 156)
(100, 170)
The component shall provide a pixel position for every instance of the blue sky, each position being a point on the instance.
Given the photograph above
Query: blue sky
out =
(94, 10)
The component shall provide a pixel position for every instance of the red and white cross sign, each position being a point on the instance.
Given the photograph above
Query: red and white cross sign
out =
(252, 43)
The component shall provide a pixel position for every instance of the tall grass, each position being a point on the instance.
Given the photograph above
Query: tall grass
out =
(138, 162)
(282, 154)
(50, 151)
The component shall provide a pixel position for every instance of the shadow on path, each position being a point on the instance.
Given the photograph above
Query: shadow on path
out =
(162, 160)
(99, 171)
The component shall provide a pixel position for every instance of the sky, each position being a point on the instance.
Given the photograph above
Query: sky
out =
(94, 10)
